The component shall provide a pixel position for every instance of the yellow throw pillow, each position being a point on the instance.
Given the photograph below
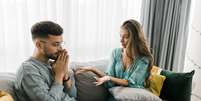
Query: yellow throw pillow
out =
(4, 96)
(156, 83)
(155, 70)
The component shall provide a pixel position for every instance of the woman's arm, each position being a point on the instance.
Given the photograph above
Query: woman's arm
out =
(115, 80)
(103, 77)
(92, 69)
(118, 81)
(97, 72)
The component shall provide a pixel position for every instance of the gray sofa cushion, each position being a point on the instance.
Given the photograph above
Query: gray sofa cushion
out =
(132, 94)
(86, 90)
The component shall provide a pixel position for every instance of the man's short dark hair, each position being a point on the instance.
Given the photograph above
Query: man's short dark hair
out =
(44, 28)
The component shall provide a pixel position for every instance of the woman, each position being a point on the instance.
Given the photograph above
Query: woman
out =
(131, 64)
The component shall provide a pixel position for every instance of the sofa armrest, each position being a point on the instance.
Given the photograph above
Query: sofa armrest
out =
(7, 81)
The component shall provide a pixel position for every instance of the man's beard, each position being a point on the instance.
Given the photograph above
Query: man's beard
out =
(52, 56)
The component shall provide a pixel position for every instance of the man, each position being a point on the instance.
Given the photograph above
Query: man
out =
(38, 79)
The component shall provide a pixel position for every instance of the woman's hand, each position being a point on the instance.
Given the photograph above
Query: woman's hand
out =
(101, 80)
(83, 69)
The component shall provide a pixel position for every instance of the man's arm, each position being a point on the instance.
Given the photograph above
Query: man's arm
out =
(38, 90)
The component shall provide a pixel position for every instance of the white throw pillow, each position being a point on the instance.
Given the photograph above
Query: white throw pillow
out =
(132, 94)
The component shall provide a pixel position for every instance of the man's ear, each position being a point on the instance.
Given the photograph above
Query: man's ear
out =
(38, 44)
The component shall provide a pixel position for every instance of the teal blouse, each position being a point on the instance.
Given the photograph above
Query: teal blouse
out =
(136, 74)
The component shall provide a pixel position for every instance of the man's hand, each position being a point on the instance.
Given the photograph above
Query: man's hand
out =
(60, 67)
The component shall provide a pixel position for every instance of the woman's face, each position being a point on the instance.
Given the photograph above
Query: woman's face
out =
(124, 37)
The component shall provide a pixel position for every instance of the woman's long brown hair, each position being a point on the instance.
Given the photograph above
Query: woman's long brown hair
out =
(137, 45)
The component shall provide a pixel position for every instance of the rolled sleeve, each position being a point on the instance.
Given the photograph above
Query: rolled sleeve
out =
(111, 70)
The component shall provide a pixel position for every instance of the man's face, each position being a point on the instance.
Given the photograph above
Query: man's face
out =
(52, 46)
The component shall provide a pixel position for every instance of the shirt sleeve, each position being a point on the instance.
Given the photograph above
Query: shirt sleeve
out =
(111, 67)
(138, 74)
(37, 90)
(111, 70)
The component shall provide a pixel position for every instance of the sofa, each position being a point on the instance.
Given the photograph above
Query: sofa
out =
(87, 91)
(6, 82)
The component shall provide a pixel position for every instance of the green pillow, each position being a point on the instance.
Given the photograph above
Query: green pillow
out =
(177, 86)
